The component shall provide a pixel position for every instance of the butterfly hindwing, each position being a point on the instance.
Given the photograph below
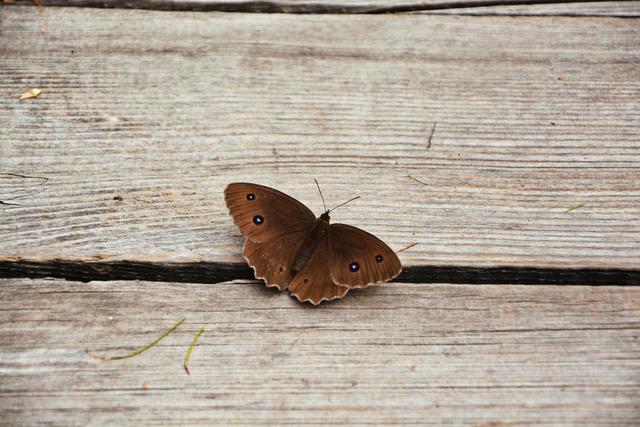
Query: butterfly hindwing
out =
(359, 259)
(262, 213)
(313, 282)
(272, 260)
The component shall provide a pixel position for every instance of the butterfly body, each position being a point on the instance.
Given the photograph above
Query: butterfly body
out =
(316, 236)
(289, 248)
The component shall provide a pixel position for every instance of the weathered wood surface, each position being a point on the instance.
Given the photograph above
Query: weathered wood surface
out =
(117, 170)
(407, 354)
(474, 7)
(163, 110)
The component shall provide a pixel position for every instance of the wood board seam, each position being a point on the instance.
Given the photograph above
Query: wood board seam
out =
(217, 272)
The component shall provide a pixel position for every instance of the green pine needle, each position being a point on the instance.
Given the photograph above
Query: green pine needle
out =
(187, 357)
(138, 351)
(573, 208)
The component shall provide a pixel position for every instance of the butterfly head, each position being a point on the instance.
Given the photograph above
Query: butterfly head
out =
(325, 216)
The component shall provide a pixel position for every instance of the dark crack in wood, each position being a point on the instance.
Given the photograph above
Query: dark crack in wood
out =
(215, 272)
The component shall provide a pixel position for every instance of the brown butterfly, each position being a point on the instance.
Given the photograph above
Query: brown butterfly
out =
(289, 248)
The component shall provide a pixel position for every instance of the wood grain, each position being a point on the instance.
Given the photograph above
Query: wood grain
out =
(409, 354)
(144, 117)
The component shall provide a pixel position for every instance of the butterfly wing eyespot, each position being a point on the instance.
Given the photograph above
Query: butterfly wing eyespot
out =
(360, 259)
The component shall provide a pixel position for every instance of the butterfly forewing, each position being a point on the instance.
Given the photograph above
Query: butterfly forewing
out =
(359, 259)
(262, 213)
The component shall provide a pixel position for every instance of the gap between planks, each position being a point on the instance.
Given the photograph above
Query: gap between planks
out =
(215, 272)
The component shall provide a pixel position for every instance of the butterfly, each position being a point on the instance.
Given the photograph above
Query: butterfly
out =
(290, 249)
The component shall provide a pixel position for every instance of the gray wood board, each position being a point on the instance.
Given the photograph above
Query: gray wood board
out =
(480, 7)
(163, 110)
(409, 354)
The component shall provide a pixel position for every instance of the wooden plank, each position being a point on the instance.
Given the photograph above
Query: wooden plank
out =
(470, 7)
(164, 110)
(410, 354)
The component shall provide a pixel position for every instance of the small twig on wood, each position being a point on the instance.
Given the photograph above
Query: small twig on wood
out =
(187, 357)
(573, 208)
(408, 247)
(140, 350)
(433, 129)
(416, 179)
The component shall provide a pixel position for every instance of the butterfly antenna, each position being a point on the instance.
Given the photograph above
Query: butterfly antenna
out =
(410, 246)
(321, 196)
(342, 204)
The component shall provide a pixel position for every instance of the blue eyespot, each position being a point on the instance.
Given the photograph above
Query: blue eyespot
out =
(251, 196)
(354, 266)
(257, 220)
(379, 258)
